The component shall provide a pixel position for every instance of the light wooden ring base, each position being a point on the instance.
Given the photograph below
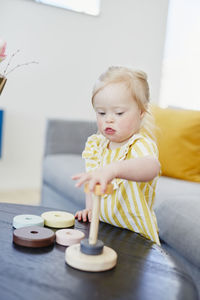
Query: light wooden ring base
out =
(58, 219)
(92, 263)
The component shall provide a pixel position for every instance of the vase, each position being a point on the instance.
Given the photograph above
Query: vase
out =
(3, 80)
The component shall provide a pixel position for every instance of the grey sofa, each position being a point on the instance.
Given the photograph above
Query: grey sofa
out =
(177, 203)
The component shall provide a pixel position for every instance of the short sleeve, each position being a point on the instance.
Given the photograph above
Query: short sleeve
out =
(91, 153)
(144, 147)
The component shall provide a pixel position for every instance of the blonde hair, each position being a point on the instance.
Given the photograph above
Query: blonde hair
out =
(136, 81)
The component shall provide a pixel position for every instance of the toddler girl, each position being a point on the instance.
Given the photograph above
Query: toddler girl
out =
(122, 152)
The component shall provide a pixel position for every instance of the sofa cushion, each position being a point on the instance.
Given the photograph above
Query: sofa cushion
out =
(57, 172)
(178, 139)
(177, 208)
(67, 136)
(168, 187)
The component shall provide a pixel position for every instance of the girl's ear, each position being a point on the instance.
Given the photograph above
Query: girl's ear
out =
(142, 113)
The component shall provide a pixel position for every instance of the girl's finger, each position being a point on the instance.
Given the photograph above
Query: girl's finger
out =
(77, 176)
(83, 179)
(84, 215)
(92, 184)
(79, 215)
(76, 214)
(104, 183)
(79, 183)
(90, 216)
(103, 186)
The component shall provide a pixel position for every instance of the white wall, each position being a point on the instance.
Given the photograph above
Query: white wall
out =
(72, 50)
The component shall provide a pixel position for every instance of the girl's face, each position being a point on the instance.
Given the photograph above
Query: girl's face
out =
(118, 114)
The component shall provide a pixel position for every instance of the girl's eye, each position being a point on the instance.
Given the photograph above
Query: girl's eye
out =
(101, 113)
(120, 113)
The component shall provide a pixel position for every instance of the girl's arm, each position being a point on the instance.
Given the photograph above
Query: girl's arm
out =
(138, 169)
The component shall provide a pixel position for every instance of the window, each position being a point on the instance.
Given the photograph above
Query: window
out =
(181, 64)
(91, 7)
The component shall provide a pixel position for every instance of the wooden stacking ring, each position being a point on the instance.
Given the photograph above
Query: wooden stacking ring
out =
(68, 237)
(58, 219)
(33, 236)
(92, 263)
(91, 249)
(97, 189)
(27, 220)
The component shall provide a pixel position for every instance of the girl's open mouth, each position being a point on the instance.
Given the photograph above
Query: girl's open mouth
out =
(109, 131)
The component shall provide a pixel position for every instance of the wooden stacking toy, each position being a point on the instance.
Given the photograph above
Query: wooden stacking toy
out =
(58, 219)
(33, 236)
(27, 220)
(91, 254)
(68, 237)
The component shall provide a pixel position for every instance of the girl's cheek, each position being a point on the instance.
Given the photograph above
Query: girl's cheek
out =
(129, 123)
(99, 124)
(125, 122)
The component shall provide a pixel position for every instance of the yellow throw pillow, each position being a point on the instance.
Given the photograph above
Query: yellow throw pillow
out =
(178, 140)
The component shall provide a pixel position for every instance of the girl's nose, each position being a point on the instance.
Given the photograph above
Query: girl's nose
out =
(109, 118)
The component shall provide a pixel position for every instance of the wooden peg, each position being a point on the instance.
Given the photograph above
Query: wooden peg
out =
(91, 254)
(96, 209)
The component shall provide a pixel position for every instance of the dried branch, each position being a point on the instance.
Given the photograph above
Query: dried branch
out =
(15, 53)
(25, 64)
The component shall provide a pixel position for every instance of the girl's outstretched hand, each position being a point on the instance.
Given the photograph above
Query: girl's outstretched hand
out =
(101, 176)
(84, 215)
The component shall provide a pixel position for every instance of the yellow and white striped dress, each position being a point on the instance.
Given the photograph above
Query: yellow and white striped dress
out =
(131, 204)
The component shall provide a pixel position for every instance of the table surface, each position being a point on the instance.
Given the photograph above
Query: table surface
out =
(144, 271)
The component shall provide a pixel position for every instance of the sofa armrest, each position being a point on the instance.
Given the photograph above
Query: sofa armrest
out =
(67, 136)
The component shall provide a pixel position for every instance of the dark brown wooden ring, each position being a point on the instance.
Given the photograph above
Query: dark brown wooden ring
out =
(33, 236)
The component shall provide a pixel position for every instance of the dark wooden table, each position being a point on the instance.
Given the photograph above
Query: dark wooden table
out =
(144, 271)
